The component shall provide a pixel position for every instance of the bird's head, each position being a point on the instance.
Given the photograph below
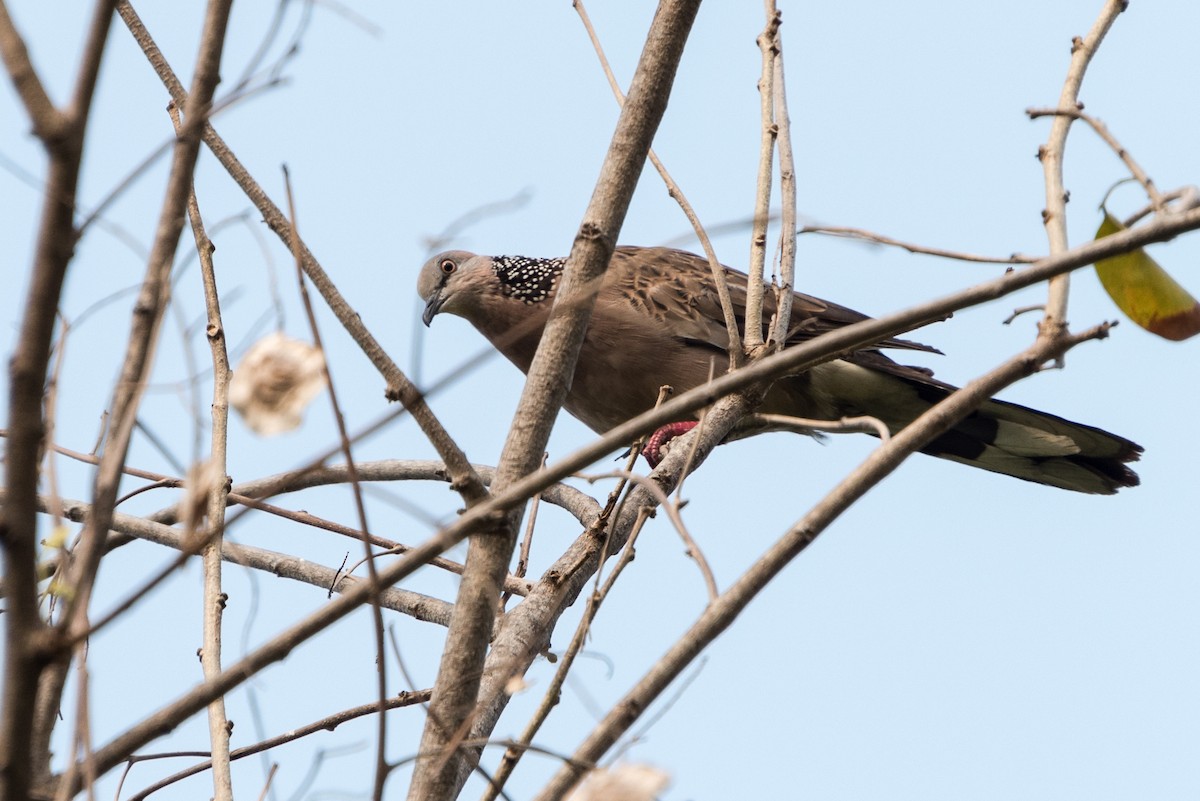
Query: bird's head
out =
(487, 289)
(452, 281)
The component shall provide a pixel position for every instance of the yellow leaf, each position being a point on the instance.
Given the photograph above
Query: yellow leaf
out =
(57, 538)
(61, 589)
(1145, 292)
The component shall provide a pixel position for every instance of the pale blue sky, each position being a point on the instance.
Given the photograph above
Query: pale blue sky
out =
(956, 635)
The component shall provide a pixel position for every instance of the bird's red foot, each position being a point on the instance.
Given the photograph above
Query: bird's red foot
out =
(653, 448)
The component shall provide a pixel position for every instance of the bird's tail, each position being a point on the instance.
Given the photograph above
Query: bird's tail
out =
(998, 436)
(1021, 442)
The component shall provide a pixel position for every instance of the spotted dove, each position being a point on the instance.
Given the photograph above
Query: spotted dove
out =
(658, 320)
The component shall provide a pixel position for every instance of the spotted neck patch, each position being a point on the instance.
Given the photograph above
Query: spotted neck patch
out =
(527, 279)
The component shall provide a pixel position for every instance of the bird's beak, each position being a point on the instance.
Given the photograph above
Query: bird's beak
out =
(432, 306)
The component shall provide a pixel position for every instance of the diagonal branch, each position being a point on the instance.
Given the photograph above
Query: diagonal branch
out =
(381, 768)
(526, 629)
(399, 386)
(139, 355)
(549, 377)
(1157, 199)
(736, 354)
(148, 313)
(413, 604)
(49, 124)
(25, 724)
(325, 724)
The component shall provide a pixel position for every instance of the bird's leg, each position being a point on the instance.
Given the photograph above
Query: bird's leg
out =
(653, 448)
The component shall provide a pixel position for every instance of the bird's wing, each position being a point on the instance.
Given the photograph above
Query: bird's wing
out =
(677, 290)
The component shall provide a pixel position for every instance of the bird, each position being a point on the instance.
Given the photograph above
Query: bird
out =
(658, 321)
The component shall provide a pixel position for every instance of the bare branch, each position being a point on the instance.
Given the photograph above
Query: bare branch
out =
(27, 719)
(1054, 323)
(328, 723)
(803, 425)
(149, 310)
(767, 44)
(1157, 200)
(527, 628)
(546, 386)
(550, 698)
(787, 192)
(49, 124)
(576, 503)
(736, 355)
(692, 549)
(217, 490)
(381, 767)
(413, 604)
(1184, 198)
(399, 386)
(869, 236)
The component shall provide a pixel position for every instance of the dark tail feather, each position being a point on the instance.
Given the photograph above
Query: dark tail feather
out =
(1039, 447)
(1001, 437)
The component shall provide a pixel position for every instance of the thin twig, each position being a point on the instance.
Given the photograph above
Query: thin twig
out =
(803, 425)
(1157, 201)
(526, 543)
(416, 605)
(216, 492)
(699, 429)
(381, 766)
(400, 387)
(673, 514)
(1184, 198)
(512, 584)
(870, 236)
(262, 796)
(81, 738)
(1051, 154)
(387, 470)
(660, 711)
(328, 723)
(787, 192)
(33, 680)
(1017, 312)
(736, 353)
(550, 698)
(766, 168)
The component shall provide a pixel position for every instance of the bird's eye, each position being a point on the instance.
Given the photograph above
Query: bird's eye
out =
(447, 266)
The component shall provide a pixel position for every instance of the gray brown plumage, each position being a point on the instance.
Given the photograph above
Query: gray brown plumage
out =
(657, 320)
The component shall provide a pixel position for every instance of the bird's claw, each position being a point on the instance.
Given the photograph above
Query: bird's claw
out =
(653, 449)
